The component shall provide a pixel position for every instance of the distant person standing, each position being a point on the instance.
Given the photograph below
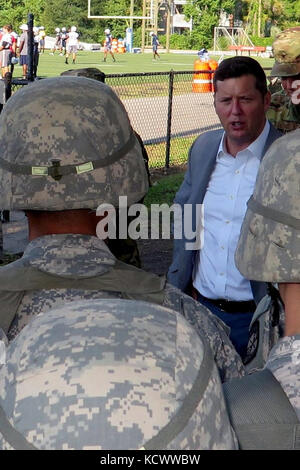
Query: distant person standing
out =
(108, 45)
(6, 49)
(64, 37)
(57, 45)
(155, 44)
(42, 35)
(72, 44)
(23, 49)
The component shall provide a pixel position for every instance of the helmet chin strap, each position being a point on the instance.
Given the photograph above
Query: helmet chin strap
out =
(56, 171)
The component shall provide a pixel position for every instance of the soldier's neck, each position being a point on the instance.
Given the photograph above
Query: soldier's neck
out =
(77, 221)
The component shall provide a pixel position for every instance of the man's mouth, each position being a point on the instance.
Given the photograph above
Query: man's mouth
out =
(237, 124)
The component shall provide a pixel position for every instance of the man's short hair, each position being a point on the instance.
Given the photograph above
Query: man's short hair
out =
(235, 67)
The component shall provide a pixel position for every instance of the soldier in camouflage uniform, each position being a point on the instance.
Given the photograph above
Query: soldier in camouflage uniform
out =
(112, 374)
(64, 152)
(284, 110)
(269, 250)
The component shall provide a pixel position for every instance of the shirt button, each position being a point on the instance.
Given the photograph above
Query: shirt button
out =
(227, 221)
(237, 172)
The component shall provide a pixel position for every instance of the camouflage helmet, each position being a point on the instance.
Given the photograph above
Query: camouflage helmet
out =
(89, 72)
(67, 143)
(111, 374)
(269, 244)
(286, 50)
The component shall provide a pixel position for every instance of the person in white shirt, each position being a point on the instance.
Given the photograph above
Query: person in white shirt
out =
(6, 49)
(72, 44)
(221, 175)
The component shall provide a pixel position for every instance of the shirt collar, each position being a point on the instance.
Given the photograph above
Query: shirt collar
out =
(255, 148)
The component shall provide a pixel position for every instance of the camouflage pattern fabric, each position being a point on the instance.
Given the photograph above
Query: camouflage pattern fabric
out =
(85, 256)
(286, 47)
(284, 363)
(282, 113)
(111, 374)
(88, 72)
(65, 155)
(269, 244)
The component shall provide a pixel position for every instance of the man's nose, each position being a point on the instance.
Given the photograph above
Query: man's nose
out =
(236, 108)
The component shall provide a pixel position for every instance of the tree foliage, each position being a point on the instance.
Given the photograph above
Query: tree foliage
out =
(276, 14)
(205, 15)
(59, 13)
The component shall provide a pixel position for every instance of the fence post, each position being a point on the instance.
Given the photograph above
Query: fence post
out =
(169, 121)
(30, 74)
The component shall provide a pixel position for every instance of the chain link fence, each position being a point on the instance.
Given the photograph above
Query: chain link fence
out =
(165, 111)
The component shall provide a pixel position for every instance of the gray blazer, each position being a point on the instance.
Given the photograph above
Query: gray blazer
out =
(201, 163)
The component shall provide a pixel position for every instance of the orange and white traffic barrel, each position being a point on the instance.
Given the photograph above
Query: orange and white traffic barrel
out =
(201, 81)
(114, 45)
(121, 46)
(213, 64)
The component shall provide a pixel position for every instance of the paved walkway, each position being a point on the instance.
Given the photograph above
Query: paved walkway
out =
(192, 113)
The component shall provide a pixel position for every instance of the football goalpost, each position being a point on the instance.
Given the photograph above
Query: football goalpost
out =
(126, 17)
(149, 17)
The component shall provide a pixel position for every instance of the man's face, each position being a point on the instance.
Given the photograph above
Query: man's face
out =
(289, 85)
(241, 109)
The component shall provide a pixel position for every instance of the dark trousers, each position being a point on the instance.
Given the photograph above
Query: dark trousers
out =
(238, 323)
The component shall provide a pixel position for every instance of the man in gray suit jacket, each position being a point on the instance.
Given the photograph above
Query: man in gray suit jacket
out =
(221, 175)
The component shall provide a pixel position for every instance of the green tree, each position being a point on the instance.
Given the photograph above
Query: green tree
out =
(205, 15)
(279, 14)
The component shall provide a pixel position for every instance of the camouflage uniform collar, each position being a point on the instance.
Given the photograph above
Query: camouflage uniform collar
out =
(69, 254)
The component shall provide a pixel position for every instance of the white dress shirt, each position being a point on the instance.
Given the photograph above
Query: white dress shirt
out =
(230, 187)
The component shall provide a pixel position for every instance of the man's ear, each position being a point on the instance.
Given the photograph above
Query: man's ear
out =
(267, 100)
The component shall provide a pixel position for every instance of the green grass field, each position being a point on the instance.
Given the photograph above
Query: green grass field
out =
(51, 66)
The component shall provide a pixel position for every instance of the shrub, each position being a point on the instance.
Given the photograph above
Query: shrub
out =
(257, 41)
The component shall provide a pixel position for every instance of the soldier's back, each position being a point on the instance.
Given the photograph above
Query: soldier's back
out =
(67, 268)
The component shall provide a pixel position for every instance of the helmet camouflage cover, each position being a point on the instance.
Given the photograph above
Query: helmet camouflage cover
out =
(67, 143)
(111, 374)
(269, 244)
(286, 50)
(89, 72)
